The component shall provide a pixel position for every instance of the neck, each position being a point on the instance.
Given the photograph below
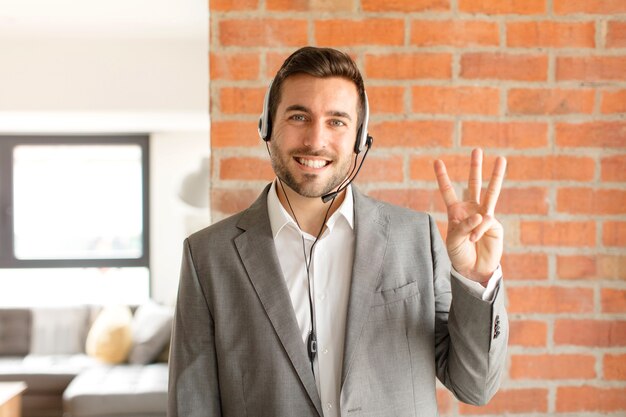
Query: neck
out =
(309, 211)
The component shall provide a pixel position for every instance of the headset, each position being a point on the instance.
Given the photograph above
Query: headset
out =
(363, 139)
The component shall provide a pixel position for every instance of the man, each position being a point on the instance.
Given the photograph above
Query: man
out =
(350, 307)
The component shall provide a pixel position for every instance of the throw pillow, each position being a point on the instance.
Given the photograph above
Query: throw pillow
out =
(151, 329)
(110, 338)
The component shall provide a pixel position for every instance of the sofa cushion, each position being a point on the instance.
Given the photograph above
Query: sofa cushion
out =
(59, 330)
(44, 374)
(151, 329)
(118, 390)
(15, 334)
(110, 338)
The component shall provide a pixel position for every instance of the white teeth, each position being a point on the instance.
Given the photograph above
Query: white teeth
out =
(312, 163)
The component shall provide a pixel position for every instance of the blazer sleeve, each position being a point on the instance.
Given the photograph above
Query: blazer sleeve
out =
(470, 334)
(193, 380)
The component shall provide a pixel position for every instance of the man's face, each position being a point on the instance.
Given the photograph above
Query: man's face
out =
(313, 133)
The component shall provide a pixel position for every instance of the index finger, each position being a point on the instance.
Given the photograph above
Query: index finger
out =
(495, 185)
(445, 186)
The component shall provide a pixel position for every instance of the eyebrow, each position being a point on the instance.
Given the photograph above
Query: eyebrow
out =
(334, 113)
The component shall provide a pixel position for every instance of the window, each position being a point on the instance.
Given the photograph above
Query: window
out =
(75, 207)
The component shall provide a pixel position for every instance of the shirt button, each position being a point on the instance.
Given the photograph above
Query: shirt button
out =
(321, 297)
(329, 406)
(325, 351)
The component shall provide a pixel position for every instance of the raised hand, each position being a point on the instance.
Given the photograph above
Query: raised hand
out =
(475, 238)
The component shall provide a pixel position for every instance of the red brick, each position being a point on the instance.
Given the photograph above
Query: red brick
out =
(616, 35)
(592, 134)
(591, 68)
(518, 201)
(564, 233)
(551, 34)
(359, 32)
(589, 6)
(614, 102)
(516, 135)
(501, 66)
(234, 66)
(454, 33)
(455, 100)
(528, 333)
(241, 100)
(550, 300)
(232, 5)
(590, 201)
(230, 201)
(525, 266)
(273, 62)
(593, 399)
(263, 32)
(552, 367)
(416, 199)
(310, 5)
(614, 233)
(387, 99)
(576, 266)
(234, 133)
(404, 6)
(503, 6)
(554, 168)
(413, 133)
(596, 333)
(457, 166)
(511, 401)
(598, 267)
(541, 101)
(612, 266)
(246, 168)
(615, 367)
(409, 66)
(613, 300)
(385, 169)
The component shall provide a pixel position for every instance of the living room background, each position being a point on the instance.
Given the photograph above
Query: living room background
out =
(83, 68)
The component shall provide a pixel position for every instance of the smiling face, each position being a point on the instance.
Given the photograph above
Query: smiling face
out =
(313, 133)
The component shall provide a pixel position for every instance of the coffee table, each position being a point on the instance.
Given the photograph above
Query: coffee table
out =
(11, 398)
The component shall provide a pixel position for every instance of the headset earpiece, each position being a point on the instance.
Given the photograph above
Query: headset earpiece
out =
(265, 127)
(362, 136)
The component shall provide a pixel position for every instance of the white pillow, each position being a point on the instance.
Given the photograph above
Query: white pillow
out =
(151, 330)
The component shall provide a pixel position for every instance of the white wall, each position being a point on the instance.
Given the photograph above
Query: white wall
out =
(76, 84)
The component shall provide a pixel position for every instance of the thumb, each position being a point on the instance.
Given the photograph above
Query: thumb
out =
(466, 227)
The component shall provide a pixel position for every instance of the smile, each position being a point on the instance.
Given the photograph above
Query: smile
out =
(312, 163)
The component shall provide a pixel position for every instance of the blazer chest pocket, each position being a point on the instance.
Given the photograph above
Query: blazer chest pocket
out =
(394, 295)
(396, 304)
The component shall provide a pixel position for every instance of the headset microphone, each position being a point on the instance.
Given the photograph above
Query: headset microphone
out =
(327, 197)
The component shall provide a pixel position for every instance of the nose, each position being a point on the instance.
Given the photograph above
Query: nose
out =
(316, 136)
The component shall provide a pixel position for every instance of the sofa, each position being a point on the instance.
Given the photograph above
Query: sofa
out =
(88, 361)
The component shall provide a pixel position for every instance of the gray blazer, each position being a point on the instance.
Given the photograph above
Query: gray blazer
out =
(236, 345)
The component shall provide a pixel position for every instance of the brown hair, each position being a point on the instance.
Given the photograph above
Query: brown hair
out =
(321, 63)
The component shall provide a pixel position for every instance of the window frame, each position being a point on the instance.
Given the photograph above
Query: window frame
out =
(8, 144)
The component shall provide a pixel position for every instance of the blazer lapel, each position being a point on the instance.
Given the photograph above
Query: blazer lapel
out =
(371, 234)
(257, 251)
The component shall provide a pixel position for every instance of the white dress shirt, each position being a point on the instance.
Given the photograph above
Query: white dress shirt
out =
(330, 275)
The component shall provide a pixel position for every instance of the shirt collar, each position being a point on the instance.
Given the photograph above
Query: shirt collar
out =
(279, 217)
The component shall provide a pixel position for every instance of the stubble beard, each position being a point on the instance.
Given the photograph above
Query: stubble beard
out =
(306, 187)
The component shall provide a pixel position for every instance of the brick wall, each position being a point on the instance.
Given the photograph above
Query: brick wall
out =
(540, 81)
